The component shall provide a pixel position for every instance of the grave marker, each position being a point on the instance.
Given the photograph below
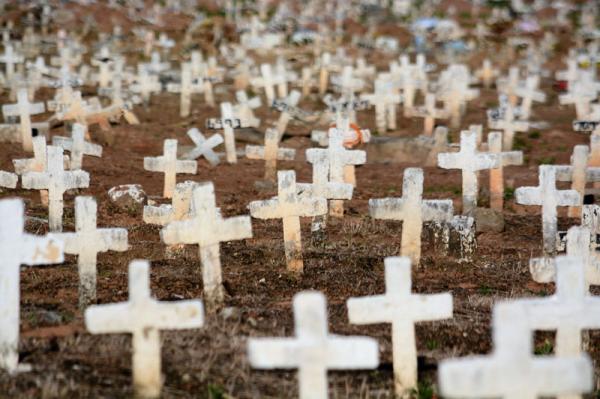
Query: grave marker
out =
(271, 153)
(204, 147)
(507, 158)
(24, 109)
(170, 166)
(77, 146)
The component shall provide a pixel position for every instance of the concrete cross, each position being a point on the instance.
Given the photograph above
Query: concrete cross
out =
(10, 59)
(581, 95)
(579, 173)
(313, 351)
(289, 207)
(549, 198)
(207, 228)
(18, 248)
(266, 81)
(77, 145)
(180, 208)
(8, 180)
(289, 102)
(569, 311)
(385, 102)
(24, 109)
(512, 371)
(144, 317)
(508, 85)
(469, 160)
(412, 210)
(430, 113)
(338, 158)
(402, 309)
(145, 84)
(244, 108)
(87, 242)
(346, 82)
(228, 125)
(507, 158)
(186, 89)
(530, 93)
(57, 181)
(170, 166)
(204, 147)
(271, 153)
(510, 126)
(487, 73)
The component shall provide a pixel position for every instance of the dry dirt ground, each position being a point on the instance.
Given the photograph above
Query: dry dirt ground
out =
(211, 362)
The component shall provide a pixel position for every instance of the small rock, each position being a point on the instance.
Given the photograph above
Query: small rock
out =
(49, 317)
(130, 197)
(488, 220)
(230, 312)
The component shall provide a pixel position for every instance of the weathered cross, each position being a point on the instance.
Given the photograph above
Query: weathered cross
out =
(10, 58)
(385, 101)
(510, 126)
(180, 208)
(77, 145)
(86, 242)
(313, 351)
(207, 228)
(144, 317)
(24, 109)
(8, 180)
(266, 81)
(57, 181)
(228, 122)
(18, 248)
(271, 153)
(530, 93)
(469, 160)
(507, 158)
(512, 371)
(400, 307)
(549, 198)
(170, 166)
(244, 108)
(430, 113)
(289, 206)
(204, 147)
(185, 88)
(412, 210)
(287, 104)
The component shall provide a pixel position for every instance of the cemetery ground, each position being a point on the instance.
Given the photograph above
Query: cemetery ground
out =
(211, 362)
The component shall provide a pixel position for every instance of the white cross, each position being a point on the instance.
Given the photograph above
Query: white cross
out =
(530, 93)
(507, 158)
(227, 120)
(289, 206)
(385, 101)
(400, 307)
(35, 164)
(144, 317)
(244, 108)
(508, 85)
(510, 126)
(469, 160)
(18, 248)
(569, 311)
(24, 109)
(145, 84)
(581, 95)
(186, 88)
(170, 166)
(549, 198)
(511, 370)
(8, 180)
(430, 113)
(207, 228)
(313, 351)
(86, 242)
(77, 146)
(338, 158)
(347, 83)
(412, 210)
(10, 58)
(267, 81)
(290, 102)
(271, 153)
(204, 147)
(487, 73)
(57, 181)
(180, 208)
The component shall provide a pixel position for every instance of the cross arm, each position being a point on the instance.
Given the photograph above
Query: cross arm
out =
(472, 377)
(64, 142)
(351, 353)
(355, 157)
(330, 190)
(568, 198)
(438, 210)
(273, 353)
(42, 250)
(181, 232)
(8, 179)
(186, 166)
(76, 179)
(175, 315)
(234, 228)
(432, 306)
(528, 196)
(512, 158)
(387, 208)
(369, 310)
(113, 239)
(160, 215)
(449, 160)
(92, 149)
(310, 207)
(35, 180)
(268, 209)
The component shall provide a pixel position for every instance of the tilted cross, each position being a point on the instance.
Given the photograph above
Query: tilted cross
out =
(313, 351)
(204, 147)
(144, 317)
(469, 160)
(87, 242)
(77, 145)
(24, 109)
(207, 228)
(412, 210)
(18, 248)
(271, 153)
(289, 207)
(511, 370)
(549, 198)
(170, 166)
(57, 181)
(402, 309)
(507, 158)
